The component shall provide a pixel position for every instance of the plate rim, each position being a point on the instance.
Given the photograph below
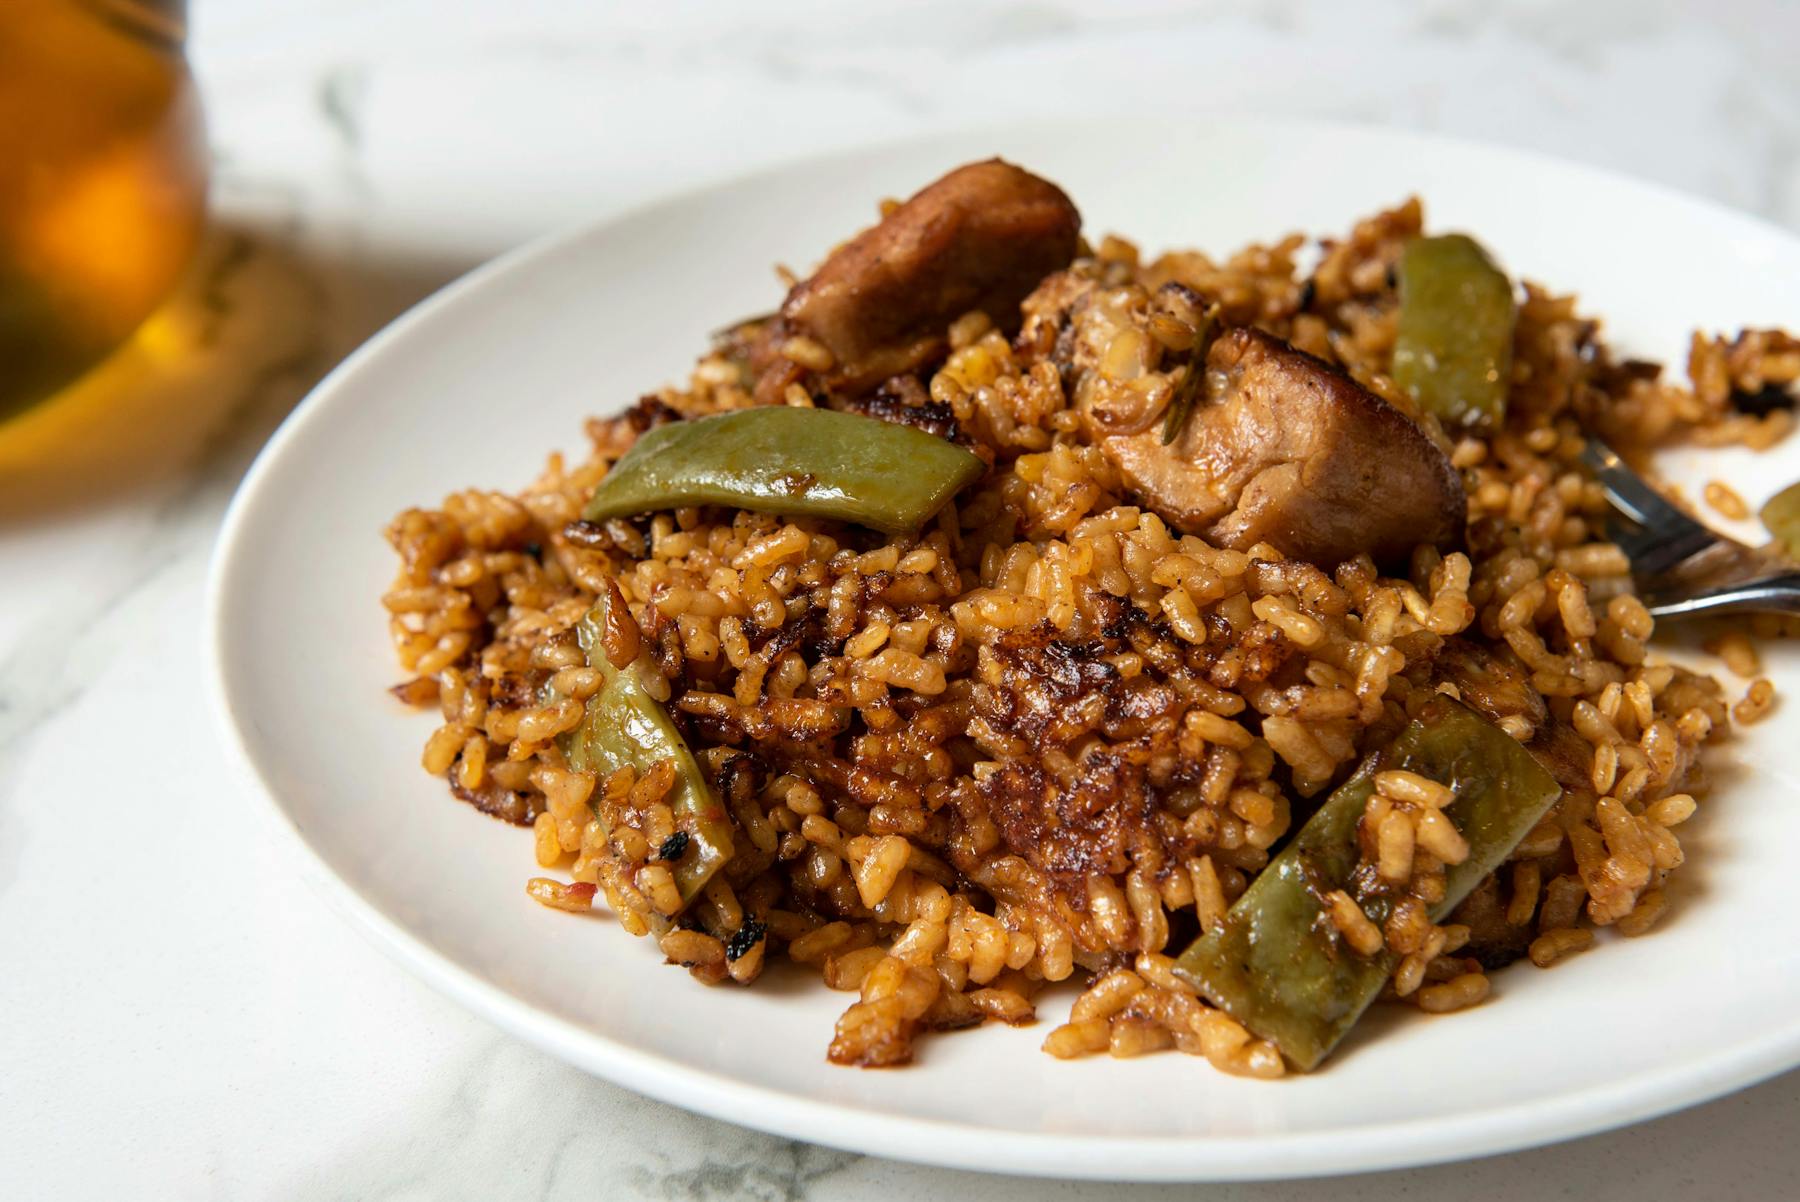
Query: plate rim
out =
(1362, 1148)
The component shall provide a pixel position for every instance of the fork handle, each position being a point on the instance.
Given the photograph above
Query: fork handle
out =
(1779, 593)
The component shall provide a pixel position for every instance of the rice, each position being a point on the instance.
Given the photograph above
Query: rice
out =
(1725, 501)
(1048, 738)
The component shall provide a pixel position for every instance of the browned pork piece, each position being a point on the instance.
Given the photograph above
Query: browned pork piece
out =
(979, 238)
(1496, 684)
(1282, 448)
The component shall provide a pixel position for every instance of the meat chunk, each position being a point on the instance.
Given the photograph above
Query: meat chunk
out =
(1493, 940)
(979, 238)
(1282, 448)
(520, 809)
(1494, 682)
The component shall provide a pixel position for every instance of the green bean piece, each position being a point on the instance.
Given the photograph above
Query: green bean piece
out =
(1453, 344)
(1781, 514)
(624, 725)
(791, 461)
(1276, 963)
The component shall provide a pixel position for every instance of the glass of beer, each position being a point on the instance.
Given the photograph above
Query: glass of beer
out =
(102, 181)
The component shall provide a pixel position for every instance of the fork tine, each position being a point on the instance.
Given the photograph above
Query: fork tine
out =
(1627, 535)
(1632, 494)
(1654, 535)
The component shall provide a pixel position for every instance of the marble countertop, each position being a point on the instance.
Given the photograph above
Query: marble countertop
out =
(183, 1016)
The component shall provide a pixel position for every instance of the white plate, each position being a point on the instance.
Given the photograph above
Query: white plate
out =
(476, 385)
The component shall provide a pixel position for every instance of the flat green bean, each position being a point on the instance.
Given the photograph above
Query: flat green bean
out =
(791, 461)
(1453, 340)
(1276, 963)
(625, 726)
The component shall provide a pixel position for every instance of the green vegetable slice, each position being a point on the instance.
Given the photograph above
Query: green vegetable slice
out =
(625, 725)
(1453, 343)
(791, 461)
(1781, 514)
(1276, 963)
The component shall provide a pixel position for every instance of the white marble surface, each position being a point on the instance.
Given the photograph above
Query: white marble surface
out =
(182, 1017)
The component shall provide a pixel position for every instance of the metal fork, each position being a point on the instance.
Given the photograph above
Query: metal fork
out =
(1683, 569)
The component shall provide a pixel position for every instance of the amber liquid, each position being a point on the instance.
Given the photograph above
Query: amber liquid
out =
(102, 181)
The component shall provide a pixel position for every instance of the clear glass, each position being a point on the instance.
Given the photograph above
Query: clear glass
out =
(102, 181)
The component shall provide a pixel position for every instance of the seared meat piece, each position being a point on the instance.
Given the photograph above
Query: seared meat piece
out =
(1565, 754)
(1494, 682)
(520, 809)
(1285, 449)
(1492, 940)
(979, 238)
